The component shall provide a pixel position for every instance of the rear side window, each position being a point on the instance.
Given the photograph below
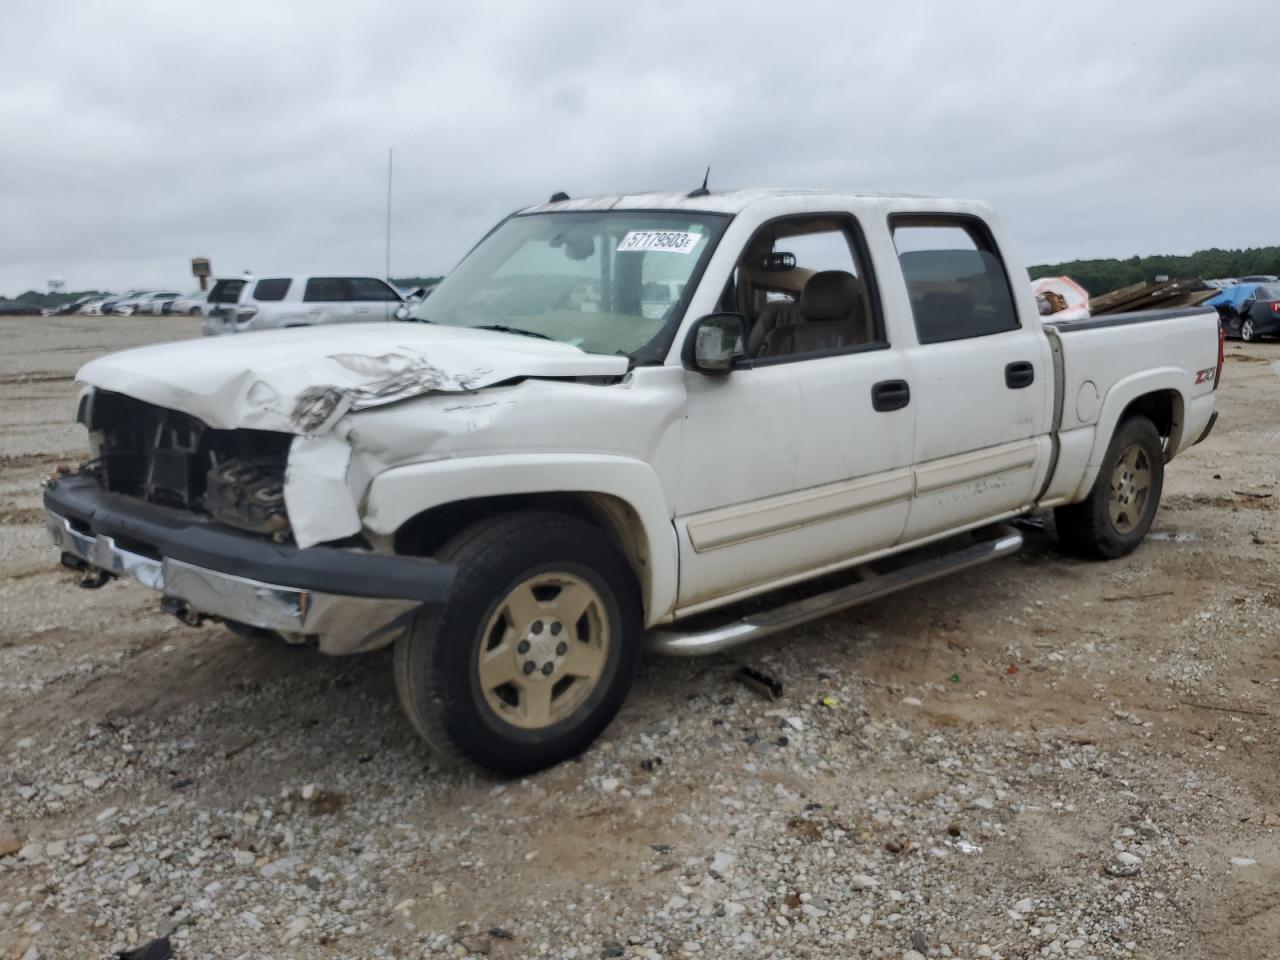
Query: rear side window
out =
(326, 290)
(226, 291)
(368, 289)
(273, 289)
(955, 278)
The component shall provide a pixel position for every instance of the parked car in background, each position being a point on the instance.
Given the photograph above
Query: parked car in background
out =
(108, 305)
(71, 306)
(245, 304)
(94, 307)
(127, 306)
(189, 304)
(1253, 313)
(15, 308)
(1260, 278)
(154, 303)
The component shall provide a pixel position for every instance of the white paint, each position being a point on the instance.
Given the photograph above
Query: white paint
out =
(1087, 402)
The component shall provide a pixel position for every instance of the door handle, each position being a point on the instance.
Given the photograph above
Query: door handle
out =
(890, 395)
(1019, 374)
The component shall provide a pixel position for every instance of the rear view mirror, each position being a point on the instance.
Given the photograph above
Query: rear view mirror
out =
(718, 340)
(578, 244)
(777, 262)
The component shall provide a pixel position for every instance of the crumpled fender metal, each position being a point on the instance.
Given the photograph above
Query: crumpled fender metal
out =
(403, 492)
(316, 493)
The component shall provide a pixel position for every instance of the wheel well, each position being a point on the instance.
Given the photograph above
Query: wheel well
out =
(425, 533)
(1162, 407)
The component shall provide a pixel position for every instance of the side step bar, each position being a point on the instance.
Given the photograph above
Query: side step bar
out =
(671, 641)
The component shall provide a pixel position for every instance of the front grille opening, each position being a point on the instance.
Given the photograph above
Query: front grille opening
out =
(174, 460)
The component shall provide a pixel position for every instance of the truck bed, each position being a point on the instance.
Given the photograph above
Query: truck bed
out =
(1096, 384)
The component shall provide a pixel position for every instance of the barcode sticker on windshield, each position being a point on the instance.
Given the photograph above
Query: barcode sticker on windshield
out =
(664, 241)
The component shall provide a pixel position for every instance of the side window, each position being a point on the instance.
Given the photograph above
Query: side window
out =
(325, 290)
(955, 278)
(274, 289)
(807, 289)
(367, 289)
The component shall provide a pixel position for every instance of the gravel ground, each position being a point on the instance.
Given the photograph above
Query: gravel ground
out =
(1041, 757)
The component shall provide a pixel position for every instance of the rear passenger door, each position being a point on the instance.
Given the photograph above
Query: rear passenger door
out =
(981, 383)
(372, 299)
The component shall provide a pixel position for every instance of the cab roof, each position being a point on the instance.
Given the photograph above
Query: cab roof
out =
(729, 201)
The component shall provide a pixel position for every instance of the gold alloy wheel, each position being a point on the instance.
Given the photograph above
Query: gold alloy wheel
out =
(544, 650)
(1130, 486)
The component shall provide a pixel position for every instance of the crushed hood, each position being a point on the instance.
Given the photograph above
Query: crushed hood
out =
(303, 380)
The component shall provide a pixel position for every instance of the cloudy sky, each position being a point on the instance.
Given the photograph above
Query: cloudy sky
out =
(136, 135)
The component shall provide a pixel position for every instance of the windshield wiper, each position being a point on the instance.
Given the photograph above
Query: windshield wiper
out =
(503, 328)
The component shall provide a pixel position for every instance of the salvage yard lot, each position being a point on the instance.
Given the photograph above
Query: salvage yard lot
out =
(1039, 757)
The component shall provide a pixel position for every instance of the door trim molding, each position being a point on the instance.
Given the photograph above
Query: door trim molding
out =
(726, 526)
(976, 465)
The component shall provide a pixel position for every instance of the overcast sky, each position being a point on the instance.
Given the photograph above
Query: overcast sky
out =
(136, 135)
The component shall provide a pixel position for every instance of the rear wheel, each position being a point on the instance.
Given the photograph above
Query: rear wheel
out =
(536, 649)
(1247, 331)
(1119, 510)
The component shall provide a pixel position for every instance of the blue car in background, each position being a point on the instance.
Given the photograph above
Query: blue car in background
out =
(1249, 311)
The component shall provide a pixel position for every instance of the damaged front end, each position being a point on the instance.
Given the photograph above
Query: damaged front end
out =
(172, 459)
(199, 514)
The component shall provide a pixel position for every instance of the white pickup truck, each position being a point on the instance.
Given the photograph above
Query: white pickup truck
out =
(538, 473)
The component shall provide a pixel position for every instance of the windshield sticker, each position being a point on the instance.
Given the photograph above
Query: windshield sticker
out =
(663, 241)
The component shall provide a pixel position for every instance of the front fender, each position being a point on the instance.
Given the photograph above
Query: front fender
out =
(1118, 398)
(401, 493)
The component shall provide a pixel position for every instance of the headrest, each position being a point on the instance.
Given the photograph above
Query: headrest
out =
(829, 295)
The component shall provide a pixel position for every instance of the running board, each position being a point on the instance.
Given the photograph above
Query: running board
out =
(1001, 541)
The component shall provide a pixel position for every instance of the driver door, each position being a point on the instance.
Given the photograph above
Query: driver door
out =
(794, 463)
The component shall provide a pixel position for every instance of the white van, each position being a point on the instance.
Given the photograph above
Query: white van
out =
(243, 304)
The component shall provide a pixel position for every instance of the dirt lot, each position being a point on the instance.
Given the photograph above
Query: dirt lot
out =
(1042, 757)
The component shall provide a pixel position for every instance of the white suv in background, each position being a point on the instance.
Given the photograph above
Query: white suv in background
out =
(244, 304)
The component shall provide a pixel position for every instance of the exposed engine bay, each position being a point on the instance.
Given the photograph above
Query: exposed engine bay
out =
(172, 459)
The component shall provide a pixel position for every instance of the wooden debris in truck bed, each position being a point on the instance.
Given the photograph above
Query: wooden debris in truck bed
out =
(1147, 296)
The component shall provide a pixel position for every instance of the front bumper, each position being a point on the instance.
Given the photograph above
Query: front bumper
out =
(349, 601)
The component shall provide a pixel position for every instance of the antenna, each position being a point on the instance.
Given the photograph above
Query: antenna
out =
(702, 191)
(389, 157)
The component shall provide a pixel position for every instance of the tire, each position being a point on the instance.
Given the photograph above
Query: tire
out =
(1116, 515)
(1247, 332)
(194, 312)
(515, 572)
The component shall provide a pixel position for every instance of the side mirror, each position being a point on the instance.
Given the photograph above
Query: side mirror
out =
(718, 339)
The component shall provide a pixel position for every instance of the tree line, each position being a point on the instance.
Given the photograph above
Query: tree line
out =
(1102, 276)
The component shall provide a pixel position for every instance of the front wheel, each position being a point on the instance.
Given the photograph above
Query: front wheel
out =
(536, 649)
(1119, 510)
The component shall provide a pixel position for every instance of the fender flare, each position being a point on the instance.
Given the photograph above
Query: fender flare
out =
(398, 494)
(1122, 393)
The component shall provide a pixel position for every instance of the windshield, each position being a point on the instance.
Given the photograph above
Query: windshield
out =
(606, 282)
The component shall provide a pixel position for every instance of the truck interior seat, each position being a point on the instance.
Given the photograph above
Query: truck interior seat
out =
(778, 313)
(833, 313)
